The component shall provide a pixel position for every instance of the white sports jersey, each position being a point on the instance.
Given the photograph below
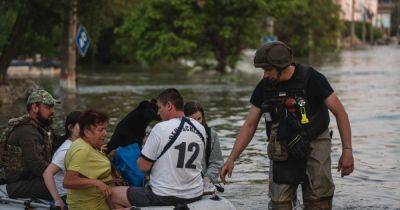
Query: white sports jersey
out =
(178, 171)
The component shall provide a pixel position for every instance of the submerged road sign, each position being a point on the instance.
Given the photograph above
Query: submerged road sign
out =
(267, 39)
(82, 40)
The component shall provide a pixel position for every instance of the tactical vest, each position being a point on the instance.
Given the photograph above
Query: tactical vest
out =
(274, 97)
(11, 158)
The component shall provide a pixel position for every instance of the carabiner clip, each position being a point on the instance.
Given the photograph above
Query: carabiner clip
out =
(304, 119)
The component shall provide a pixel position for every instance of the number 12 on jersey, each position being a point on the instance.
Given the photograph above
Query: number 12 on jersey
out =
(182, 152)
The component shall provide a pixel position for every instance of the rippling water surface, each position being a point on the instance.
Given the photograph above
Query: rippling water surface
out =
(367, 82)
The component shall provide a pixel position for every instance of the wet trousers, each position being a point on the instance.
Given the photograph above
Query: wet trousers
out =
(318, 188)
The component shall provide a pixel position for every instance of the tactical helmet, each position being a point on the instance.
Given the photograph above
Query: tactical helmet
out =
(273, 54)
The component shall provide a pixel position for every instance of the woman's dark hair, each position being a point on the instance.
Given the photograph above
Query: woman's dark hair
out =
(72, 119)
(192, 107)
(91, 117)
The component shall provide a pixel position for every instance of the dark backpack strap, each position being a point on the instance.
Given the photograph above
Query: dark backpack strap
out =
(174, 137)
(208, 145)
(303, 76)
(197, 131)
(178, 131)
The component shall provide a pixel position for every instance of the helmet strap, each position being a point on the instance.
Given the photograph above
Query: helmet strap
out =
(279, 74)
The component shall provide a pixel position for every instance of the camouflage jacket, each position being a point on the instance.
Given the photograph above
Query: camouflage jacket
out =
(27, 149)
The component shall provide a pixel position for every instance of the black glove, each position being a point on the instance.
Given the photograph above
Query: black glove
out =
(298, 146)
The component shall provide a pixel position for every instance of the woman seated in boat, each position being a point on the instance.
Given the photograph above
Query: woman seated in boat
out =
(54, 173)
(88, 177)
(213, 157)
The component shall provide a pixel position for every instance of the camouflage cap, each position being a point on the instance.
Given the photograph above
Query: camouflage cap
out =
(41, 96)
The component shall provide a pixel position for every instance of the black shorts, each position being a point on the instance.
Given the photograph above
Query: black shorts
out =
(144, 196)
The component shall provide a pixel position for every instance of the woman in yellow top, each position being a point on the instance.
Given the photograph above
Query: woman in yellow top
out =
(88, 170)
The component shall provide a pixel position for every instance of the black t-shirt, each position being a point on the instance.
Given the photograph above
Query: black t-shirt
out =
(318, 89)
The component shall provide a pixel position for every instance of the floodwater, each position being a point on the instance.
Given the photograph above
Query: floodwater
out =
(367, 81)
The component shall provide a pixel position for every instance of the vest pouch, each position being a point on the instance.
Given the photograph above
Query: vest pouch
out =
(277, 150)
(327, 134)
(290, 171)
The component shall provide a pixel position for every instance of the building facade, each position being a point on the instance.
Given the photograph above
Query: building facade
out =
(363, 10)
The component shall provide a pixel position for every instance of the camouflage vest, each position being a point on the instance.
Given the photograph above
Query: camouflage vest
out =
(11, 160)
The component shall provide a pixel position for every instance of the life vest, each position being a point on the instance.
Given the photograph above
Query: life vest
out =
(274, 109)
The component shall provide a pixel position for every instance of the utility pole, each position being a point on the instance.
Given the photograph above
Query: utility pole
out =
(364, 30)
(68, 57)
(371, 29)
(270, 26)
(352, 36)
(371, 33)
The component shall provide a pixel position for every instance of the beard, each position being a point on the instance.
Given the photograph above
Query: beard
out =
(45, 121)
(271, 81)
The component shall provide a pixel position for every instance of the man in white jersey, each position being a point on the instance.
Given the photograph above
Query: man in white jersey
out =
(172, 154)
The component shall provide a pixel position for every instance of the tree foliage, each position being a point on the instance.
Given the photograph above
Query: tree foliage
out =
(230, 27)
(35, 26)
(169, 30)
(307, 25)
(160, 30)
(43, 34)
(166, 30)
(8, 14)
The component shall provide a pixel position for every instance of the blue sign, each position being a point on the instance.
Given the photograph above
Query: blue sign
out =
(82, 40)
(267, 39)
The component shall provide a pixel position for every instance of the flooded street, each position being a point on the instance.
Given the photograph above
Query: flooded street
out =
(367, 81)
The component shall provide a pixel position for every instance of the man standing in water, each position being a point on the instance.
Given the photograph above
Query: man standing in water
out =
(294, 100)
(29, 145)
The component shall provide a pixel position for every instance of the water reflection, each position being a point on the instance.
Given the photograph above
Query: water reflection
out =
(368, 83)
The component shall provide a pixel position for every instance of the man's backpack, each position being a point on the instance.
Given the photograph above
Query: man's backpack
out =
(10, 156)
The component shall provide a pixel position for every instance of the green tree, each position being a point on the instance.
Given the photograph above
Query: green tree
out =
(307, 25)
(36, 26)
(8, 14)
(95, 15)
(230, 27)
(167, 30)
(10, 46)
(101, 17)
(160, 30)
(325, 25)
